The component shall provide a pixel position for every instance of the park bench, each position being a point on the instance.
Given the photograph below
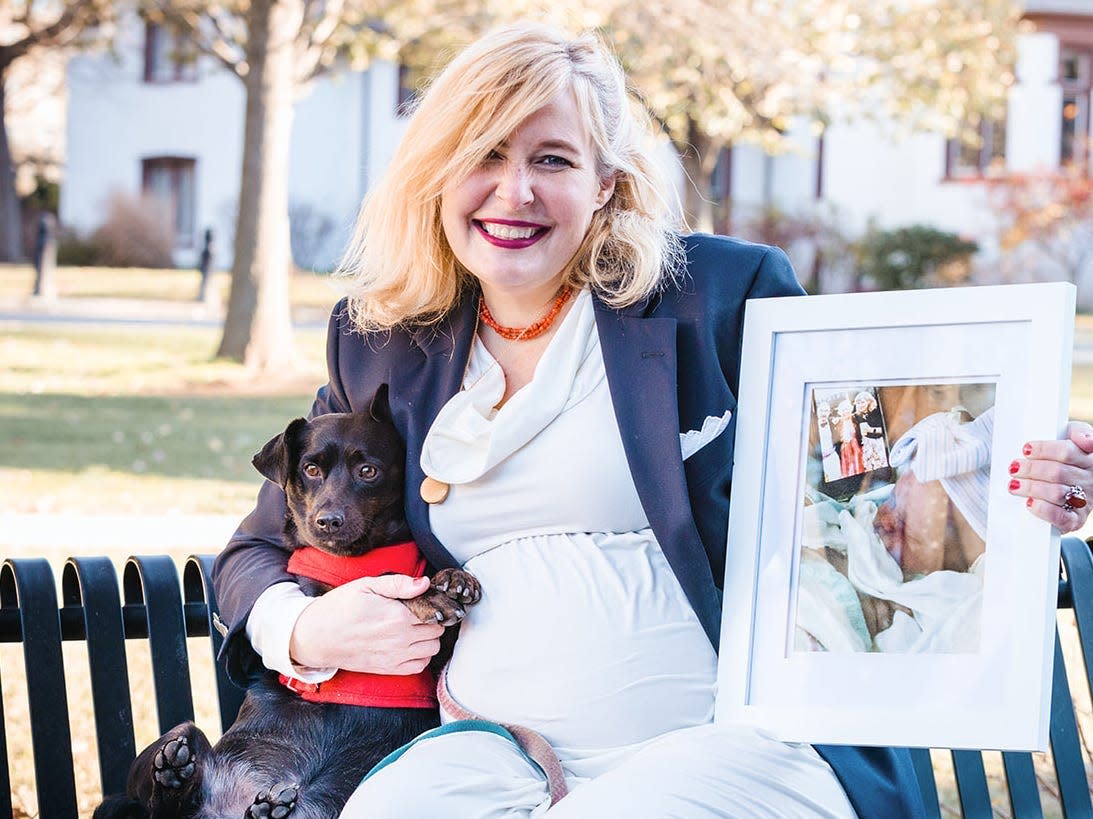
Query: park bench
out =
(152, 605)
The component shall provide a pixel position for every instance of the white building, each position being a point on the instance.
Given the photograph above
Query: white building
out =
(146, 122)
(865, 174)
(143, 121)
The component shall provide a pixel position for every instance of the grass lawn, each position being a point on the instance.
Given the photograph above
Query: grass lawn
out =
(141, 454)
(136, 419)
(121, 419)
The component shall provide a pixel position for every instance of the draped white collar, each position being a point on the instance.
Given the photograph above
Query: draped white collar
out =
(470, 435)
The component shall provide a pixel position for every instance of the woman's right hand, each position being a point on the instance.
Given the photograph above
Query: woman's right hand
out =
(363, 626)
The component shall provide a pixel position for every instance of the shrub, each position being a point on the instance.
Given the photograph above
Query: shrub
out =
(75, 250)
(1045, 221)
(910, 257)
(137, 232)
(813, 238)
(45, 196)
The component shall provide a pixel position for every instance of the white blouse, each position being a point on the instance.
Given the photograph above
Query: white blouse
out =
(583, 631)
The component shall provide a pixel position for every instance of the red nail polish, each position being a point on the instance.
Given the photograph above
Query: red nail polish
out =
(1015, 485)
(1027, 450)
(1028, 502)
(1014, 467)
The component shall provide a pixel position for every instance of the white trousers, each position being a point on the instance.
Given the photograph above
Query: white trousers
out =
(693, 773)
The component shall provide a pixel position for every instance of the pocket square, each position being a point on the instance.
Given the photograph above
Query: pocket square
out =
(694, 439)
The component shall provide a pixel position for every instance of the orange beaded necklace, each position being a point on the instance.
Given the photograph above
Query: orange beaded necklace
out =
(532, 330)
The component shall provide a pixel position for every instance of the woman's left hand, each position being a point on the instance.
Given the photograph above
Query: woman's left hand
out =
(1049, 468)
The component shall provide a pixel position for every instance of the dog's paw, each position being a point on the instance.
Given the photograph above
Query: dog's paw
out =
(174, 763)
(275, 803)
(436, 607)
(461, 586)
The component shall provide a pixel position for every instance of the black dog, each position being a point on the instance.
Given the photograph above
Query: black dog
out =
(343, 479)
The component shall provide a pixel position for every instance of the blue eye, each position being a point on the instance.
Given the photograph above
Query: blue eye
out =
(555, 161)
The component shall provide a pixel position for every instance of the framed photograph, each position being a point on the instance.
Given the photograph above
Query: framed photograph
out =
(882, 587)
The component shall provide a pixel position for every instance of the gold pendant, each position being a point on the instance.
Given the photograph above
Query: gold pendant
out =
(433, 491)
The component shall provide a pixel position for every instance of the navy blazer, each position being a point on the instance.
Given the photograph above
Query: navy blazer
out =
(684, 342)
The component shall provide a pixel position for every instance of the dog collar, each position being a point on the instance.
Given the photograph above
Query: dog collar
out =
(357, 687)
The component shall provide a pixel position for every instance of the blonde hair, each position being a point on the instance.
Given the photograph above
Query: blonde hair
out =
(866, 398)
(399, 264)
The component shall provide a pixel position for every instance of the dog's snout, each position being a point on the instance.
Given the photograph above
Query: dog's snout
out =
(329, 521)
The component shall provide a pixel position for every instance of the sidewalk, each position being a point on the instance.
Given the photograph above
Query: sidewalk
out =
(134, 311)
(62, 535)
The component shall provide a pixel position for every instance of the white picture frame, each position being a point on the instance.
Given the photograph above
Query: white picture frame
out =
(794, 659)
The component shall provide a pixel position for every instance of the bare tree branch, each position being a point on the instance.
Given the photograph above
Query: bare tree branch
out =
(73, 21)
(207, 31)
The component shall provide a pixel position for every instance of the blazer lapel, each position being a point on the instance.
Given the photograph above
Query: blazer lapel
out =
(422, 388)
(639, 356)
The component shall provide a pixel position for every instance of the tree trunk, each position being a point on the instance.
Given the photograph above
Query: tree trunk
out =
(11, 223)
(258, 324)
(699, 156)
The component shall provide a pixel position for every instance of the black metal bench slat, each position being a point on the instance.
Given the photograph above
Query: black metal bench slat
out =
(28, 584)
(1065, 744)
(197, 590)
(6, 808)
(927, 782)
(1078, 562)
(1024, 792)
(153, 582)
(90, 585)
(971, 783)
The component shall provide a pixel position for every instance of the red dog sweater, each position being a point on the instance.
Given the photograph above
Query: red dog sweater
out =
(358, 687)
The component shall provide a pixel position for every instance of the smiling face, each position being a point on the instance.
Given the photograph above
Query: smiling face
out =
(517, 219)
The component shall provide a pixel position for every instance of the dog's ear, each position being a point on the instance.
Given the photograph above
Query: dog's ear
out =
(380, 408)
(272, 459)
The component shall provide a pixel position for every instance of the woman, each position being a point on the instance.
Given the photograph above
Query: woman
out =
(829, 455)
(870, 421)
(562, 367)
(846, 433)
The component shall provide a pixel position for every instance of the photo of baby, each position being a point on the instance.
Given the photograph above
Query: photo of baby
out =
(893, 541)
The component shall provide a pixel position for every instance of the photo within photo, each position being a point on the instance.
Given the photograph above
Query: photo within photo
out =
(893, 542)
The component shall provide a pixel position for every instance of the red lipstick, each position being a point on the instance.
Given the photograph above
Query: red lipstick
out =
(509, 233)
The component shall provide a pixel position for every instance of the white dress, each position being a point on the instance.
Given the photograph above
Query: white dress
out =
(583, 632)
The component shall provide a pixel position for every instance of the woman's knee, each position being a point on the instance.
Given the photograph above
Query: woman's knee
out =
(470, 773)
